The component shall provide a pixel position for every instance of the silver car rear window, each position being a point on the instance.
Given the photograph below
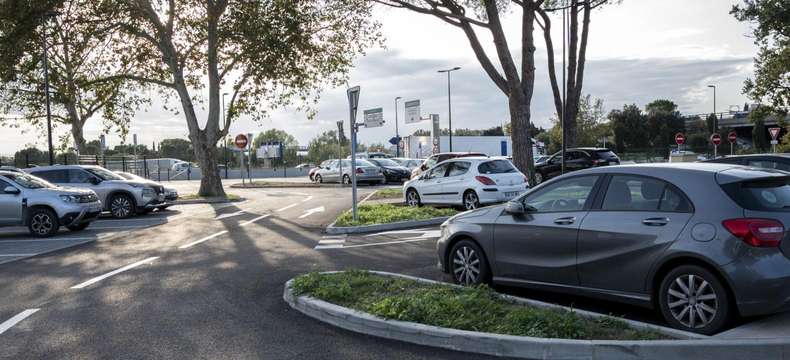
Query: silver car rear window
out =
(761, 195)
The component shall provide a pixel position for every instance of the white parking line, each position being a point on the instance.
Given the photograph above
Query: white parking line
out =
(46, 240)
(308, 198)
(16, 319)
(202, 240)
(388, 243)
(331, 242)
(286, 208)
(114, 272)
(16, 255)
(254, 220)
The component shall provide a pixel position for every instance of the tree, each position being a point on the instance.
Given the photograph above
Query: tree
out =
(265, 54)
(628, 126)
(290, 144)
(591, 122)
(176, 148)
(771, 20)
(326, 146)
(81, 58)
(577, 56)
(663, 121)
(759, 133)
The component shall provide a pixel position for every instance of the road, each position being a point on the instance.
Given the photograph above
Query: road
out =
(205, 283)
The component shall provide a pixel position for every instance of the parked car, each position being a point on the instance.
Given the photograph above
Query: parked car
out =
(437, 158)
(701, 242)
(392, 171)
(11, 168)
(121, 197)
(26, 200)
(469, 182)
(767, 161)
(541, 158)
(575, 159)
(171, 194)
(370, 155)
(408, 163)
(303, 166)
(340, 170)
(183, 166)
(312, 172)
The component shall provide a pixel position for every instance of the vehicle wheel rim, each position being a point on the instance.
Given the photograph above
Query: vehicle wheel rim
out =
(538, 178)
(347, 180)
(121, 207)
(692, 301)
(466, 265)
(318, 178)
(41, 224)
(412, 198)
(470, 201)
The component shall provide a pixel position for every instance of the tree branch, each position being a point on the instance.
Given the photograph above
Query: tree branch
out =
(434, 10)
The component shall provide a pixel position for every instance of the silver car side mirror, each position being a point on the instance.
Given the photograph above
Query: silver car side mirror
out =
(11, 190)
(514, 208)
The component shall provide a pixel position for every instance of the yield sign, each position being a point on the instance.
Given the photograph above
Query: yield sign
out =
(774, 132)
(311, 212)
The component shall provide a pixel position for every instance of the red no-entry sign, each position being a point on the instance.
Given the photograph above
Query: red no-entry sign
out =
(732, 137)
(680, 138)
(715, 139)
(241, 141)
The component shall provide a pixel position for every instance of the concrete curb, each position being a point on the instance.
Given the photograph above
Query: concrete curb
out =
(206, 201)
(693, 347)
(336, 230)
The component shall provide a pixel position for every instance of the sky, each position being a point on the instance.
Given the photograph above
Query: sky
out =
(638, 51)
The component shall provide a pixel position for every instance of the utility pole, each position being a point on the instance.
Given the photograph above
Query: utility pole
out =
(449, 105)
(48, 15)
(225, 146)
(353, 103)
(397, 146)
(564, 107)
(715, 120)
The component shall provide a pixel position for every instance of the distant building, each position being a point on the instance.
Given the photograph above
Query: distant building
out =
(422, 146)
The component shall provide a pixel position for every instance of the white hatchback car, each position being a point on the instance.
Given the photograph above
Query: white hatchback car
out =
(469, 182)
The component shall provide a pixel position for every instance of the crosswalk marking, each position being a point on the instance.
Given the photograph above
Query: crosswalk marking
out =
(331, 242)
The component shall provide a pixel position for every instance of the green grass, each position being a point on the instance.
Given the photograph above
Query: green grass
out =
(389, 193)
(387, 213)
(229, 197)
(473, 309)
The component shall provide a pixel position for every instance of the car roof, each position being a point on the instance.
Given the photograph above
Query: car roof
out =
(61, 167)
(7, 172)
(725, 173)
(779, 155)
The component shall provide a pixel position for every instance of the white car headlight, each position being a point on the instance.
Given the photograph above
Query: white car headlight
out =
(70, 198)
(148, 192)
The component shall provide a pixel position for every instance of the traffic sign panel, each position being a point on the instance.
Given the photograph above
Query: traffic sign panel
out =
(241, 141)
(715, 139)
(412, 111)
(374, 117)
(774, 132)
(732, 137)
(680, 139)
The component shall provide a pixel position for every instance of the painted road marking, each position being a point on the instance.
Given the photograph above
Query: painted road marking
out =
(202, 240)
(16, 319)
(287, 207)
(331, 242)
(114, 272)
(312, 211)
(395, 232)
(17, 255)
(328, 243)
(225, 216)
(308, 198)
(254, 220)
(387, 243)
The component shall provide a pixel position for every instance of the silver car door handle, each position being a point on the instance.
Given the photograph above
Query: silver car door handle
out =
(655, 221)
(565, 220)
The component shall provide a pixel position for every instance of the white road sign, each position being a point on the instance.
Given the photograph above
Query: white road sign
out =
(412, 111)
(374, 117)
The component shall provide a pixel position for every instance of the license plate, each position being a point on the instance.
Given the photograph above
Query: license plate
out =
(511, 194)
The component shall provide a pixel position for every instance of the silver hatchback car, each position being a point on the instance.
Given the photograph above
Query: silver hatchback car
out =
(26, 200)
(700, 242)
(340, 170)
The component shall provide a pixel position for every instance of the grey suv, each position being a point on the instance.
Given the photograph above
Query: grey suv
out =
(700, 242)
(121, 197)
(26, 200)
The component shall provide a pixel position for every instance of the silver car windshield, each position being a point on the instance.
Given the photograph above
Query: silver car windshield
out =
(385, 162)
(104, 174)
(130, 176)
(29, 181)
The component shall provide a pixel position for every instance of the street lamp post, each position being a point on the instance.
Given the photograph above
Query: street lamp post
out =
(449, 104)
(715, 120)
(397, 146)
(226, 143)
(48, 15)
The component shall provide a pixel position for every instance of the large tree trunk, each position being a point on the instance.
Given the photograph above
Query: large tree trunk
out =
(79, 138)
(520, 135)
(206, 155)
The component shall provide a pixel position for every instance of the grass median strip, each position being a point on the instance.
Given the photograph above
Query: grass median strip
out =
(389, 193)
(370, 214)
(229, 197)
(473, 309)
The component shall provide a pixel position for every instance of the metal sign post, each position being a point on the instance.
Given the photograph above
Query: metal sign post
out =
(733, 138)
(241, 142)
(680, 139)
(353, 103)
(774, 131)
(716, 140)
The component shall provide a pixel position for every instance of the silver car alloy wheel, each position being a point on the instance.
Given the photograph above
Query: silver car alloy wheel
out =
(412, 199)
(41, 224)
(471, 201)
(538, 178)
(346, 179)
(692, 301)
(120, 207)
(467, 265)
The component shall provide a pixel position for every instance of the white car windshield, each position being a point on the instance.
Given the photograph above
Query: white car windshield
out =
(29, 181)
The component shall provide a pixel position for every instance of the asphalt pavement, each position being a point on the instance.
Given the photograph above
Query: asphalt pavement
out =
(205, 283)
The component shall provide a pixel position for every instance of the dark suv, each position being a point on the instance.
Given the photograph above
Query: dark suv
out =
(575, 159)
